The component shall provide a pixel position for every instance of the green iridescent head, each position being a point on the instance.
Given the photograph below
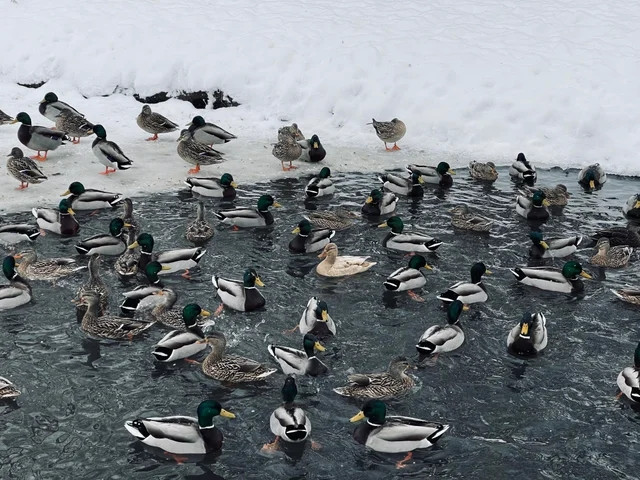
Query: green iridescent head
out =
(115, 227)
(289, 390)
(325, 172)
(310, 344)
(100, 131)
(23, 118)
(190, 314)
(226, 180)
(50, 97)
(572, 270)
(209, 409)
(9, 267)
(250, 278)
(374, 410)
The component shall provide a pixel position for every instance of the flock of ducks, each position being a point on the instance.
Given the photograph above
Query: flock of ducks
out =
(151, 303)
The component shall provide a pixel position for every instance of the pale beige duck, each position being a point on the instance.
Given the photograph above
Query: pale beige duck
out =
(341, 266)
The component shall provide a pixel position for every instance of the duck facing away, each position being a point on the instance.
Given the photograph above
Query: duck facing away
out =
(208, 133)
(154, 123)
(483, 171)
(40, 139)
(522, 170)
(389, 132)
(94, 285)
(529, 337)
(382, 385)
(629, 379)
(199, 231)
(109, 153)
(24, 169)
(18, 292)
(340, 266)
(320, 185)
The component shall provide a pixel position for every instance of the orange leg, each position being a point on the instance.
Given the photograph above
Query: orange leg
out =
(218, 310)
(75, 140)
(271, 447)
(315, 445)
(155, 137)
(178, 459)
(291, 330)
(387, 148)
(40, 157)
(415, 296)
(191, 360)
(619, 396)
(395, 147)
(108, 171)
(43, 233)
(186, 275)
(235, 228)
(292, 166)
(403, 463)
(22, 186)
(284, 169)
(195, 170)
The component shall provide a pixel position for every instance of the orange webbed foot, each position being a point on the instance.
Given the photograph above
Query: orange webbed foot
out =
(186, 275)
(76, 140)
(218, 310)
(194, 170)
(403, 463)
(271, 447)
(178, 459)
(414, 296)
(151, 139)
(395, 147)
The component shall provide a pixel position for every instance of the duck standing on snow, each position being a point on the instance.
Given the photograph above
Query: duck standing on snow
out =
(462, 218)
(378, 204)
(554, 248)
(40, 139)
(534, 209)
(249, 217)
(19, 232)
(290, 131)
(154, 123)
(408, 278)
(411, 187)
(592, 177)
(407, 241)
(62, 222)
(632, 207)
(321, 185)
(439, 175)
(298, 362)
(208, 133)
(199, 231)
(611, 257)
(307, 240)
(336, 266)
(287, 150)
(529, 337)
(389, 132)
(553, 279)
(74, 125)
(90, 199)
(468, 293)
(522, 170)
(223, 187)
(109, 153)
(24, 169)
(50, 107)
(196, 153)
(629, 379)
(242, 296)
(483, 171)
(105, 244)
(312, 150)
(18, 292)
(383, 385)
(443, 338)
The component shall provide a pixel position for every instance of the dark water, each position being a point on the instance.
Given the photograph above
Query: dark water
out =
(554, 416)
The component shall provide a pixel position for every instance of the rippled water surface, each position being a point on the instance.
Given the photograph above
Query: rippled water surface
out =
(554, 416)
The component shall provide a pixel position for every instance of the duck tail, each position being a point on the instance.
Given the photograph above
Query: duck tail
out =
(425, 347)
(432, 245)
(162, 354)
(82, 250)
(447, 296)
(518, 273)
(219, 215)
(391, 284)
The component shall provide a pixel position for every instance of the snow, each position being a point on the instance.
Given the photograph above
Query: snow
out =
(472, 80)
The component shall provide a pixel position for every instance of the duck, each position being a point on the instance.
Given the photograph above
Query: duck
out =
(629, 295)
(288, 422)
(307, 240)
(407, 241)
(439, 175)
(106, 244)
(127, 264)
(340, 266)
(383, 386)
(196, 153)
(93, 285)
(74, 125)
(553, 248)
(168, 316)
(40, 139)
(231, 368)
(557, 196)
(338, 219)
(299, 362)
(553, 279)
(378, 204)
(312, 150)
(292, 131)
(632, 207)
(250, 217)
(316, 319)
(18, 292)
(154, 123)
(592, 177)
(128, 217)
(106, 326)
(394, 434)
(468, 293)
(287, 150)
(443, 338)
(242, 296)
(522, 170)
(529, 337)
(50, 107)
(389, 132)
(611, 257)
(176, 260)
(483, 171)
(7, 389)
(142, 296)
(462, 218)
(18, 232)
(182, 435)
(320, 185)
(81, 198)
(410, 187)
(534, 209)
(50, 269)
(629, 379)
(208, 133)
(24, 169)
(620, 236)
(408, 278)
(109, 153)
(62, 222)
(5, 119)
(223, 187)
(199, 231)
(184, 342)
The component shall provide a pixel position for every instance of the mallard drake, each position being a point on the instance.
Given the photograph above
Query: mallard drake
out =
(40, 139)
(408, 241)
(93, 285)
(127, 264)
(389, 132)
(183, 342)
(127, 216)
(443, 338)
(242, 296)
(231, 368)
(62, 222)
(339, 219)
(307, 240)
(51, 107)
(165, 314)
(74, 125)
(557, 196)
(196, 153)
(321, 185)
(5, 119)
(316, 319)
(288, 422)
(461, 217)
(176, 260)
(483, 171)
(18, 292)
(378, 204)
(383, 386)
(249, 217)
(534, 209)
(107, 326)
(106, 244)
(340, 266)
(312, 150)
(438, 175)
(142, 296)
(50, 269)
(611, 257)
(629, 295)
(468, 293)
(299, 362)
(629, 379)
(223, 187)
(199, 231)
(553, 279)
(89, 199)
(409, 277)
(208, 133)
(290, 131)
(154, 123)
(24, 169)
(620, 236)
(592, 177)
(522, 170)
(411, 187)
(18, 232)
(394, 434)
(8, 389)
(632, 207)
(182, 435)
(529, 337)
(553, 248)
(109, 153)
(287, 150)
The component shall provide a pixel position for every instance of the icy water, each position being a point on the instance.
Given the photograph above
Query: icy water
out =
(554, 416)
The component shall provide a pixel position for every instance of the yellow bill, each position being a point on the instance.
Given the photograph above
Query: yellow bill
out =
(585, 275)
(234, 184)
(205, 313)
(315, 144)
(451, 172)
(325, 315)
(227, 414)
(165, 267)
(592, 184)
(276, 204)
(318, 346)
(369, 200)
(70, 211)
(428, 267)
(544, 244)
(68, 192)
(382, 225)
(546, 203)
(259, 282)
(357, 418)
(296, 230)
(133, 245)
(525, 329)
